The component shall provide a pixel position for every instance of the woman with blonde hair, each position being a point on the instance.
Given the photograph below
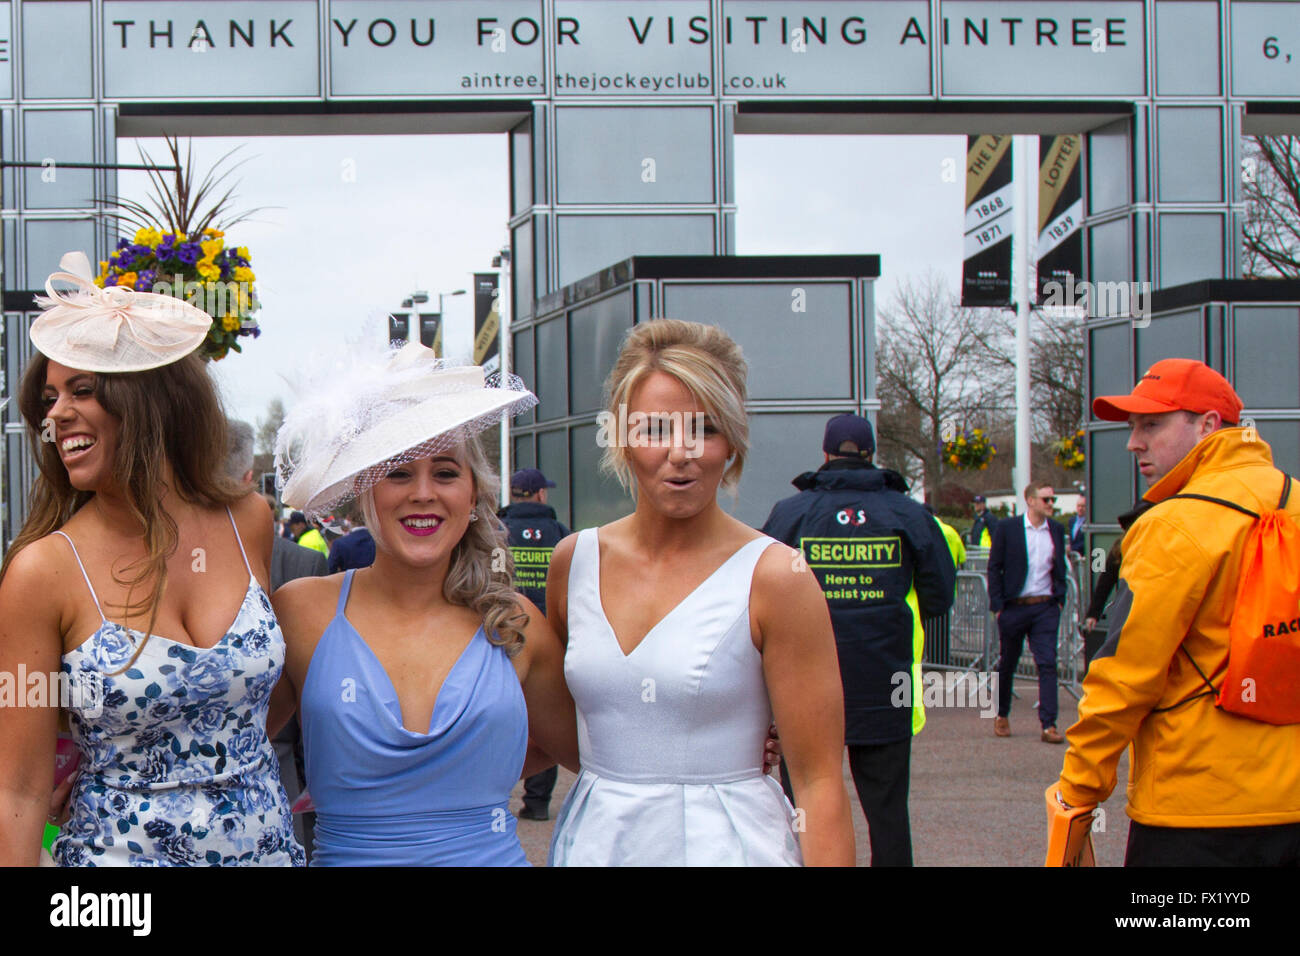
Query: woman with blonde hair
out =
(132, 516)
(685, 631)
(420, 679)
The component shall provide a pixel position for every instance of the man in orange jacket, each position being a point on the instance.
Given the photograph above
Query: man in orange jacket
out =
(1205, 787)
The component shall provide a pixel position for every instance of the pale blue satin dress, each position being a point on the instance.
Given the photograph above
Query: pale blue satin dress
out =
(671, 736)
(388, 796)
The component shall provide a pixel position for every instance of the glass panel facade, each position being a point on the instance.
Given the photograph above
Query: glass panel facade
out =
(1266, 343)
(1177, 335)
(591, 243)
(598, 498)
(763, 319)
(525, 366)
(1190, 175)
(552, 370)
(1112, 469)
(53, 137)
(661, 154)
(781, 446)
(595, 333)
(553, 460)
(1284, 438)
(1109, 365)
(522, 455)
(1191, 247)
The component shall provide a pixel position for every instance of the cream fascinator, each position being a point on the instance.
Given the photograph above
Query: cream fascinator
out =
(114, 329)
(365, 414)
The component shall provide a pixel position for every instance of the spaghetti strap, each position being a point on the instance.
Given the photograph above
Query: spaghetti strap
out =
(240, 540)
(93, 596)
(343, 592)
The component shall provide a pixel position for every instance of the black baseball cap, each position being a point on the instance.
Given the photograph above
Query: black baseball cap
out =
(297, 516)
(852, 428)
(528, 481)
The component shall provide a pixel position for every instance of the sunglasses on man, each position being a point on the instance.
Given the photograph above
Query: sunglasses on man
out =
(1050, 499)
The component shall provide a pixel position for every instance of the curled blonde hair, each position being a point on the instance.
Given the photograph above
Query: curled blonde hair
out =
(482, 567)
(706, 360)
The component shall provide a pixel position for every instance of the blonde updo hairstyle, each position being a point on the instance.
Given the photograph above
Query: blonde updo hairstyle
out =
(481, 566)
(706, 360)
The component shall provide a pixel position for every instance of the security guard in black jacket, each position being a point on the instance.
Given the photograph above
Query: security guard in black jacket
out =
(534, 533)
(883, 565)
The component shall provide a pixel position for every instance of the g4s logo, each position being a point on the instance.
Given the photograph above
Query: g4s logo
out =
(849, 516)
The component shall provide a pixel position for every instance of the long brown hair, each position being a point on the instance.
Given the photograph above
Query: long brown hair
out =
(169, 416)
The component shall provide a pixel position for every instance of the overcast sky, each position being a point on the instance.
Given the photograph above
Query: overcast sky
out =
(363, 221)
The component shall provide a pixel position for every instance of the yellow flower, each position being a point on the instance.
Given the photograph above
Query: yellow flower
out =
(127, 280)
(213, 232)
(242, 252)
(953, 459)
(148, 237)
(230, 323)
(979, 431)
(961, 442)
(208, 269)
(983, 466)
(211, 247)
(243, 274)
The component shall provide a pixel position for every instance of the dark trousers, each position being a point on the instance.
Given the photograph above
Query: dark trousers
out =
(1039, 623)
(1213, 846)
(538, 788)
(881, 774)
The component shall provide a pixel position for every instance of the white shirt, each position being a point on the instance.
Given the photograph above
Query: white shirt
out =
(1040, 551)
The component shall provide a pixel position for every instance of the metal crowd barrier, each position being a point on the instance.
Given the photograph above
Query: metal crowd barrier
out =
(967, 637)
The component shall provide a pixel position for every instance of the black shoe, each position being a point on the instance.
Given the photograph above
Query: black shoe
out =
(532, 813)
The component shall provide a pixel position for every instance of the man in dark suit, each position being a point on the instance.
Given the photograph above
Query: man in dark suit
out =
(1076, 525)
(1026, 580)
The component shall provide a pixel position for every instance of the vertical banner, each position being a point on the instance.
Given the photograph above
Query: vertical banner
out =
(431, 332)
(487, 322)
(1060, 214)
(986, 271)
(399, 327)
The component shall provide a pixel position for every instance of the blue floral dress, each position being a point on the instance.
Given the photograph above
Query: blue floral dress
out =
(176, 766)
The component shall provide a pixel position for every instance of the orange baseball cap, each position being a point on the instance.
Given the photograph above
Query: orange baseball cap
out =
(1172, 385)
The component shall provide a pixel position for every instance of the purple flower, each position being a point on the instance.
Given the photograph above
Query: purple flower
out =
(109, 280)
(189, 252)
(123, 243)
(146, 280)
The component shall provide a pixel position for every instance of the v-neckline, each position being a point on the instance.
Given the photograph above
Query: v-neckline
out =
(600, 601)
(397, 698)
(239, 612)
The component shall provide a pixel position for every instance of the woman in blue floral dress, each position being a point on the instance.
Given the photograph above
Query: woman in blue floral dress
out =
(136, 589)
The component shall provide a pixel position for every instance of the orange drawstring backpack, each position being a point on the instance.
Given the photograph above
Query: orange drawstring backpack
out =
(1262, 681)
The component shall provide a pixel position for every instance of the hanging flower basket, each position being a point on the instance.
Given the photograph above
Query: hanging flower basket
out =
(179, 250)
(1069, 451)
(970, 451)
(200, 270)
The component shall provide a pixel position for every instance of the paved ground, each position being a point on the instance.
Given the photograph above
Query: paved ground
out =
(976, 799)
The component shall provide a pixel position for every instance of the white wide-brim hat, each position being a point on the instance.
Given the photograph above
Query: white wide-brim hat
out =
(345, 436)
(113, 329)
